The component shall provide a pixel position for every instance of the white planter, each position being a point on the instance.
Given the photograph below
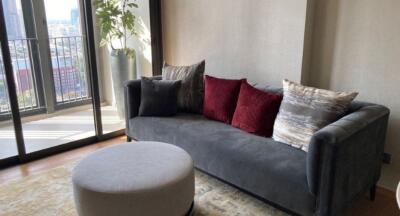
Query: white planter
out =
(122, 68)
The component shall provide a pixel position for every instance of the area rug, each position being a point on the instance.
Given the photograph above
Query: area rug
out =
(50, 193)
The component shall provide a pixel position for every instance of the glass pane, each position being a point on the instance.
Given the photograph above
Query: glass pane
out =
(56, 109)
(14, 19)
(53, 94)
(67, 50)
(25, 93)
(112, 70)
(8, 144)
(19, 49)
(72, 118)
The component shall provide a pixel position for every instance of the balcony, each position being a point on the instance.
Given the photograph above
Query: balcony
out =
(55, 110)
(69, 74)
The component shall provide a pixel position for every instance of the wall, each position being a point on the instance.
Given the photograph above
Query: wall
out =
(259, 39)
(338, 44)
(357, 47)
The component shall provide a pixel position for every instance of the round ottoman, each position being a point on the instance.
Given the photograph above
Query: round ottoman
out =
(140, 178)
(398, 195)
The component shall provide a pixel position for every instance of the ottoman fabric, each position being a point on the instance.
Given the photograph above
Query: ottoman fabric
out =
(143, 178)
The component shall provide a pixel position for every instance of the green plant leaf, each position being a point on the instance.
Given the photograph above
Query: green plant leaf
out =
(114, 20)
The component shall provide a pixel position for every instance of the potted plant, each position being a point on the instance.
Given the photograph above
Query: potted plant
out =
(117, 24)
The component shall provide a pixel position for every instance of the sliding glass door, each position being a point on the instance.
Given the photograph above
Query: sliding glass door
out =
(69, 113)
(45, 43)
(54, 95)
(8, 144)
(47, 50)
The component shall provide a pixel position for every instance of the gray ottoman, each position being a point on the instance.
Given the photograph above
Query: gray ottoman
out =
(141, 178)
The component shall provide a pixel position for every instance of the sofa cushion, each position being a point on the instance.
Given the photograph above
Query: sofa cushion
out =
(220, 97)
(256, 110)
(191, 93)
(269, 169)
(305, 110)
(158, 97)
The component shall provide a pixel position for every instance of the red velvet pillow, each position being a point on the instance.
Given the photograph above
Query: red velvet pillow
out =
(256, 110)
(220, 97)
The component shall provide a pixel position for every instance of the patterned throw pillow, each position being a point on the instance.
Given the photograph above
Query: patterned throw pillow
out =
(190, 95)
(304, 110)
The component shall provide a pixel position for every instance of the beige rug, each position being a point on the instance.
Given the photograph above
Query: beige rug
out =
(50, 193)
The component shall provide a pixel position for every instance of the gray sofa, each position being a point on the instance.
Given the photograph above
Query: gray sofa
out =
(343, 161)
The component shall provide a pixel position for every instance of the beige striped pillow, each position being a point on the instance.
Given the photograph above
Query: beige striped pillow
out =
(304, 110)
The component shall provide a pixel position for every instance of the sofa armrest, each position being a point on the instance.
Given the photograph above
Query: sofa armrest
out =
(345, 157)
(132, 98)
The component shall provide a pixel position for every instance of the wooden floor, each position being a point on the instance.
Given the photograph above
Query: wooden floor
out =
(31, 168)
(48, 130)
(384, 204)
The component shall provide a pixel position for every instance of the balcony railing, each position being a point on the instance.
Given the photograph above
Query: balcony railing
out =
(69, 69)
(68, 72)
(24, 76)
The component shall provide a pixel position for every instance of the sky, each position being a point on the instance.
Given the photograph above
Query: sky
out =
(59, 9)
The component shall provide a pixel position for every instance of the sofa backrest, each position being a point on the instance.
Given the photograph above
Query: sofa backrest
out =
(357, 105)
(268, 88)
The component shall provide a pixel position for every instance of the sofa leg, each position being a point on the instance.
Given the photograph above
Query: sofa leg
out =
(128, 139)
(372, 192)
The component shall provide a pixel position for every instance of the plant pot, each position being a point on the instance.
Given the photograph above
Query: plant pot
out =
(122, 68)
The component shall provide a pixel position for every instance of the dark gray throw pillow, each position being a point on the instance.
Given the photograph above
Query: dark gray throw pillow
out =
(158, 97)
(191, 93)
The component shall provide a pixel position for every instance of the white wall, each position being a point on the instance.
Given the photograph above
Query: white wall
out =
(143, 43)
(357, 47)
(261, 40)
